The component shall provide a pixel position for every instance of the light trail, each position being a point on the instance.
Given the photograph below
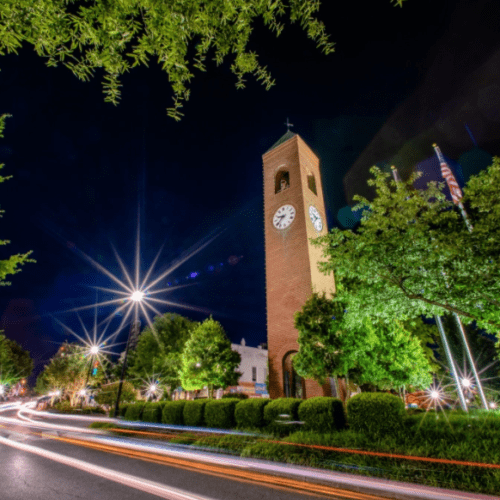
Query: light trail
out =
(263, 472)
(137, 483)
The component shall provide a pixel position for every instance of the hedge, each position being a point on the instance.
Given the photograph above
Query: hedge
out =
(152, 412)
(193, 413)
(375, 413)
(249, 413)
(219, 413)
(322, 414)
(281, 406)
(134, 411)
(173, 412)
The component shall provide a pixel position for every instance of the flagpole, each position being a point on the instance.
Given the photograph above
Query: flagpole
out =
(449, 357)
(456, 195)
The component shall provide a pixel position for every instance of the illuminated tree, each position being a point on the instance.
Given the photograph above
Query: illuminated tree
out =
(412, 254)
(108, 393)
(208, 360)
(67, 371)
(159, 353)
(15, 362)
(381, 355)
(116, 35)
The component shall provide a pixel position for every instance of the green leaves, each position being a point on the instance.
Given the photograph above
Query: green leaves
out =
(413, 255)
(15, 362)
(118, 34)
(208, 360)
(385, 355)
(158, 351)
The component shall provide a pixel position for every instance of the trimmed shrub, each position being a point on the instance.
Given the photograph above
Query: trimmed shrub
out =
(322, 414)
(219, 413)
(232, 395)
(152, 412)
(375, 413)
(194, 413)
(249, 413)
(172, 412)
(134, 411)
(281, 406)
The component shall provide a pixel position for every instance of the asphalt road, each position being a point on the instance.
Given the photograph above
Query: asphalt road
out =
(39, 466)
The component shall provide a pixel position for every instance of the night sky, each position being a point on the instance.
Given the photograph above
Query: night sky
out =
(84, 170)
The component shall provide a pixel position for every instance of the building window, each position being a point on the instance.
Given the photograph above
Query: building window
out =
(281, 181)
(311, 182)
(254, 374)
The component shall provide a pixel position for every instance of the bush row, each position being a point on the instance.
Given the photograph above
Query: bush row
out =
(321, 413)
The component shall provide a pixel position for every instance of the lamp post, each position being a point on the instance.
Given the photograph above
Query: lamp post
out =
(137, 296)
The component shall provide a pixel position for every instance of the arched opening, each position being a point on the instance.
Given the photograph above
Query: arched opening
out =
(293, 384)
(281, 181)
(311, 182)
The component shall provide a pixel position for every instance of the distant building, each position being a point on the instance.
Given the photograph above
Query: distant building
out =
(253, 369)
(252, 382)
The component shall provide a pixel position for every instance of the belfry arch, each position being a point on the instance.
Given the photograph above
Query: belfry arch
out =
(281, 180)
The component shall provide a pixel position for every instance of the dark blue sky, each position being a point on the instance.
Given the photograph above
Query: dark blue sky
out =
(81, 166)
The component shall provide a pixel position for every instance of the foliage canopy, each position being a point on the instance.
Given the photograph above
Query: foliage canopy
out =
(385, 355)
(15, 362)
(117, 35)
(412, 254)
(208, 360)
(158, 352)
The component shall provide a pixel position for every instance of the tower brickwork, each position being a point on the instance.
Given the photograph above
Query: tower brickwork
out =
(294, 211)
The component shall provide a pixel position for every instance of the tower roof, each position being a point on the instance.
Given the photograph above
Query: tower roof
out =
(288, 135)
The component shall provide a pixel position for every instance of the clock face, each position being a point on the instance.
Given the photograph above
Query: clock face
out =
(315, 218)
(284, 217)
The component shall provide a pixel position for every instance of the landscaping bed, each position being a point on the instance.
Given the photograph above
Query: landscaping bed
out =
(449, 435)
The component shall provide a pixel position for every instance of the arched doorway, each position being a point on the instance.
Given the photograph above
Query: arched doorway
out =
(293, 384)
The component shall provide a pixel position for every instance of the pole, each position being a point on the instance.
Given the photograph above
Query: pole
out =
(456, 194)
(451, 365)
(442, 333)
(473, 366)
(133, 329)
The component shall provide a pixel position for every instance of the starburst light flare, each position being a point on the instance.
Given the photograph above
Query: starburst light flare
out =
(135, 297)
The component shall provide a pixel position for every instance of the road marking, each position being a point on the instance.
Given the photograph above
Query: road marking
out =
(144, 485)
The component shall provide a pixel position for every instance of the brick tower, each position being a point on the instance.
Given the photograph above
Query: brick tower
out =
(294, 211)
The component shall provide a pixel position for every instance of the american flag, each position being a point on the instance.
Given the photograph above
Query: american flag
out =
(456, 192)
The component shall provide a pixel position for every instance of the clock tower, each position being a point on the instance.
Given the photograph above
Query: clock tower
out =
(294, 211)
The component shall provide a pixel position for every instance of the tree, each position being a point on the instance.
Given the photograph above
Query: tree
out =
(383, 355)
(208, 360)
(116, 35)
(318, 356)
(158, 352)
(14, 262)
(412, 254)
(109, 392)
(15, 362)
(67, 371)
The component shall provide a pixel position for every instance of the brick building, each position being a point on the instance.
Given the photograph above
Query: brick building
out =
(294, 212)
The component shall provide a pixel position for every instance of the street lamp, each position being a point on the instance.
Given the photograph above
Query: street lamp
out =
(136, 297)
(93, 351)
